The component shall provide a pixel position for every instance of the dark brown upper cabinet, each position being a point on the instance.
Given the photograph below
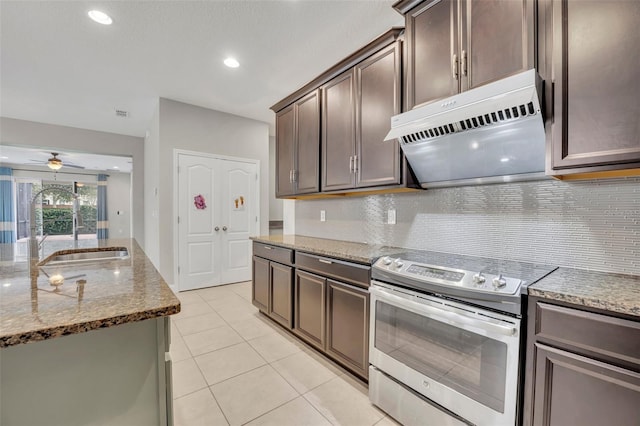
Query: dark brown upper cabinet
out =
(338, 133)
(298, 147)
(357, 107)
(353, 102)
(378, 98)
(456, 45)
(588, 57)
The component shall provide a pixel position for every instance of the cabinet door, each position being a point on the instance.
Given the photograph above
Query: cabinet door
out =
(348, 326)
(575, 390)
(281, 294)
(285, 145)
(378, 80)
(307, 169)
(593, 67)
(496, 40)
(309, 308)
(260, 288)
(338, 133)
(432, 43)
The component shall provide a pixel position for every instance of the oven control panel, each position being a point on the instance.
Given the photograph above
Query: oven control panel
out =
(442, 274)
(475, 281)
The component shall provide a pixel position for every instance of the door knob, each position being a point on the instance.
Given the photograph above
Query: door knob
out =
(224, 228)
(217, 228)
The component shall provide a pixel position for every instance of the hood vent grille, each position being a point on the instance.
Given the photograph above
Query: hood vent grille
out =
(488, 119)
(489, 134)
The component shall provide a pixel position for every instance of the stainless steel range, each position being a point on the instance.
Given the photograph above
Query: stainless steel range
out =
(446, 337)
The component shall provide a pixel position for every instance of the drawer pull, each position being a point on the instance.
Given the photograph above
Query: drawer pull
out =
(328, 262)
(268, 248)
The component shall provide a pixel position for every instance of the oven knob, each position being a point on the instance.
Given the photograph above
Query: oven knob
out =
(479, 278)
(499, 282)
(386, 260)
(398, 263)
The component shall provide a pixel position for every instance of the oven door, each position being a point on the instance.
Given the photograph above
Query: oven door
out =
(460, 357)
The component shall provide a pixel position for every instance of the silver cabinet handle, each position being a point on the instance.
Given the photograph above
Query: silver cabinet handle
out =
(224, 228)
(351, 164)
(464, 63)
(328, 262)
(290, 176)
(295, 175)
(454, 66)
(217, 228)
(268, 247)
(355, 164)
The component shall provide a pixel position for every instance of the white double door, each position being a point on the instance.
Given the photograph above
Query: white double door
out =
(217, 213)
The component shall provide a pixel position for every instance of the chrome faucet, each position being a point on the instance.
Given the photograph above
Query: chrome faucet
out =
(34, 245)
(41, 243)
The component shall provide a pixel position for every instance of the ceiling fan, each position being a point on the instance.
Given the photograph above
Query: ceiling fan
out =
(55, 163)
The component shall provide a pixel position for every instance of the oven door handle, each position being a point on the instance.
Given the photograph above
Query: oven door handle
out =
(443, 314)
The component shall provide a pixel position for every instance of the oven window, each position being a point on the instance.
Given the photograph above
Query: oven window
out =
(469, 363)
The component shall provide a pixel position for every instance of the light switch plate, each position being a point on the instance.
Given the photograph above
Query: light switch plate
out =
(391, 216)
(323, 216)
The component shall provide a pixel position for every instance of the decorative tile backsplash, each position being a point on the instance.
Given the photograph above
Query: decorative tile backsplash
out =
(587, 224)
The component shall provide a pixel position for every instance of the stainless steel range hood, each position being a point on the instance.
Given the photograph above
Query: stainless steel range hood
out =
(493, 133)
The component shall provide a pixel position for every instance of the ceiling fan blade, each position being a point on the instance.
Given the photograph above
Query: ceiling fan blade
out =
(73, 166)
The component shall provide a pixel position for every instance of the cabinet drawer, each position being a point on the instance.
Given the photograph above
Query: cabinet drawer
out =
(359, 275)
(278, 254)
(595, 333)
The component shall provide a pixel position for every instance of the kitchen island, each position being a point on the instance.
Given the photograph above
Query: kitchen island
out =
(90, 351)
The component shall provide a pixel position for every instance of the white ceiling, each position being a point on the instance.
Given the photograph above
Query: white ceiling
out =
(59, 67)
(36, 159)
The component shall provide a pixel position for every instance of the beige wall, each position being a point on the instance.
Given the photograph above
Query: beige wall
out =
(151, 177)
(32, 134)
(188, 127)
(119, 204)
(275, 205)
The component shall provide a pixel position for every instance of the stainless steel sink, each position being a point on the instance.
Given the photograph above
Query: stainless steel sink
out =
(86, 255)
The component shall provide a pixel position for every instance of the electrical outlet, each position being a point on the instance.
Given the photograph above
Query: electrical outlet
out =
(323, 216)
(391, 216)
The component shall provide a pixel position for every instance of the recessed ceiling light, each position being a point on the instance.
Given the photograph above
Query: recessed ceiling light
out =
(231, 63)
(100, 17)
(4, 158)
(116, 167)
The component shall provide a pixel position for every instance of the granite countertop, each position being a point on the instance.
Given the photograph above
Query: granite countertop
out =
(115, 292)
(346, 250)
(615, 293)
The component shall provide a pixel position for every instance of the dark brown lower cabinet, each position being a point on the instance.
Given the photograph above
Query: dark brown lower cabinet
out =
(309, 308)
(260, 288)
(583, 368)
(281, 294)
(330, 314)
(576, 390)
(348, 325)
(272, 290)
(333, 317)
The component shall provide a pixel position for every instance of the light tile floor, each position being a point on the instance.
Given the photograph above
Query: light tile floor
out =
(233, 366)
